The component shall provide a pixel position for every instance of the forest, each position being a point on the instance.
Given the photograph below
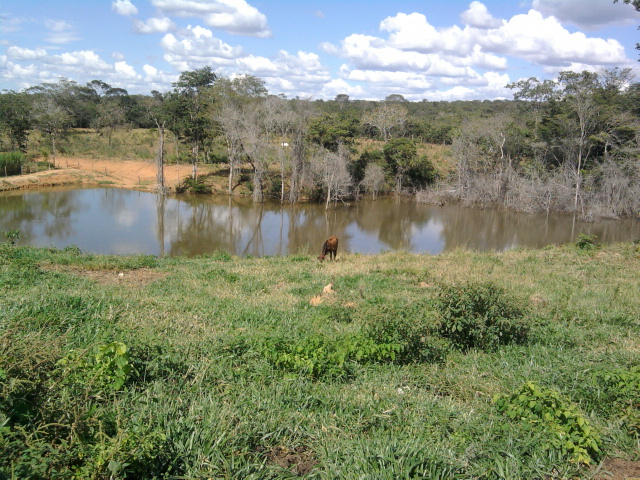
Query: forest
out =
(568, 145)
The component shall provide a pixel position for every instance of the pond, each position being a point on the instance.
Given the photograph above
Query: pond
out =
(117, 221)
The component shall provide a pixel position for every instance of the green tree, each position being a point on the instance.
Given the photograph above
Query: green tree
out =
(401, 155)
(332, 130)
(15, 112)
(51, 112)
(193, 107)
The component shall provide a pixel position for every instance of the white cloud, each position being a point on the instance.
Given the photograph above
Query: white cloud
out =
(85, 59)
(479, 17)
(125, 70)
(544, 41)
(153, 25)
(124, 7)
(60, 32)
(195, 47)
(232, 16)
(19, 53)
(588, 14)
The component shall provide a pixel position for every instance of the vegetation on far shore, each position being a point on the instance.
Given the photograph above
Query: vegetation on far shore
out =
(514, 365)
(567, 145)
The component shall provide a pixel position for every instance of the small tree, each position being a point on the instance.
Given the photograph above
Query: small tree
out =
(400, 154)
(333, 175)
(374, 179)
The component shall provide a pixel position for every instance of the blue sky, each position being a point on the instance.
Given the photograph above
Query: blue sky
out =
(434, 50)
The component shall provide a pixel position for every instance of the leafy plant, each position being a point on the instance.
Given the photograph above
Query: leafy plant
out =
(417, 339)
(12, 236)
(546, 410)
(107, 368)
(586, 242)
(624, 388)
(320, 357)
(480, 316)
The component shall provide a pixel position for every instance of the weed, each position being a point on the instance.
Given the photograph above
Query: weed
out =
(544, 409)
(480, 316)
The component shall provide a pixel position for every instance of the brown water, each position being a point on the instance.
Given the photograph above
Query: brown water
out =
(115, 221)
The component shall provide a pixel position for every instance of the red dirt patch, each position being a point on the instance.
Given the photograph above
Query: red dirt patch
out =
(618, 469)
(298, 461)
(138, 175)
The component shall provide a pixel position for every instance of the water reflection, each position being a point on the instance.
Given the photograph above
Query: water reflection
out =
(123, 222)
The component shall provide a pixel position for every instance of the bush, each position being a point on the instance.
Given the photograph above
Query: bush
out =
(623, 389)
(417, 338)
(586, 242)
(11, 163)
(480, 316)
(565, 429)
(193, 186)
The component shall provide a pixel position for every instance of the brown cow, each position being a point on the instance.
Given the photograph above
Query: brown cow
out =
(330, 246)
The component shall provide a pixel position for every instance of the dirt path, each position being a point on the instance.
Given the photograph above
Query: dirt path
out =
(137, 175)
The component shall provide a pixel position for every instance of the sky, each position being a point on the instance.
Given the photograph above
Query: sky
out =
(317, 49)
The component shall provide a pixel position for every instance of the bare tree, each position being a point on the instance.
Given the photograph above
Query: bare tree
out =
(158, 113)
(303, 110)
(386, 118)
(578, 90)
(280, 119)
(332, 173)
(374, 179)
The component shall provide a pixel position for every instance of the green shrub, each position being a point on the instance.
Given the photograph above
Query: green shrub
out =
(106, 368)
(480, 316)
(193, 186)
(545, 410)
(322, 357)
(623, 389)
(12, 236)
(417, 339)
(11, 163)
(586, 242)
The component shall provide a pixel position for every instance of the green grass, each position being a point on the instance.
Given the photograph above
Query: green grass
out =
(231, 372)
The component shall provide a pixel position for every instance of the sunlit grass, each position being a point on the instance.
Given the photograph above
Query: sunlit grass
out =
(204, 401)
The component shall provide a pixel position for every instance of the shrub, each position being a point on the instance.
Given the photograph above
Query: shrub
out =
(321, 357)
(564, 428)
(193, 186)
(106, 368)
(623, 389)
(416, 338)
(480, 316)
(586, 242)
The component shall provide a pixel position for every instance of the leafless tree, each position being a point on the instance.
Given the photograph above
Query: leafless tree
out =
(386, 118)
(374, 179)
(280, 119)
(332, 173)
(303, 110)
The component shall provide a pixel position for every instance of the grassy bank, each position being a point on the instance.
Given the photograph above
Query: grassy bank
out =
(464, 365)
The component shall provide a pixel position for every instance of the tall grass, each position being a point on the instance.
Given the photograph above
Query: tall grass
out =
(11, 163)
(220, 367)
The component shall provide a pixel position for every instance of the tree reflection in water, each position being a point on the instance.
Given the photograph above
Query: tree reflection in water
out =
(124, 221)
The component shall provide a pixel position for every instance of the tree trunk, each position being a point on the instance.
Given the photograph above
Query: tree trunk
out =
(160, 160)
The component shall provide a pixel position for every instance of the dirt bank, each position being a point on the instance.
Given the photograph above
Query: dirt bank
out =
(136, 175)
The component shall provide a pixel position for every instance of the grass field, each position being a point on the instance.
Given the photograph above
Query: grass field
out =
(515, 365)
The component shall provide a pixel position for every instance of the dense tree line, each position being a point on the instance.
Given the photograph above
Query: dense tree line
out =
(565, 145)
